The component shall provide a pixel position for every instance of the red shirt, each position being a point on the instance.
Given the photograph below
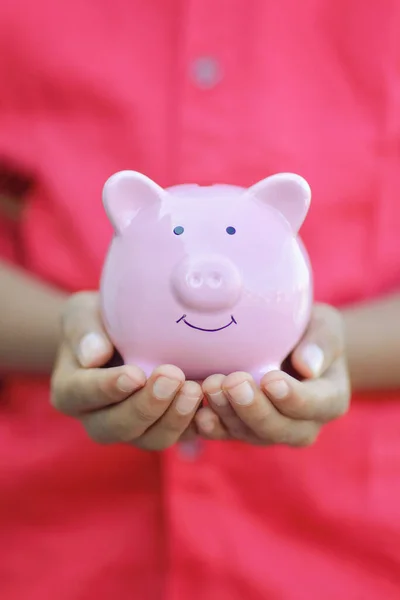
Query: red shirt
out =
(202, 91)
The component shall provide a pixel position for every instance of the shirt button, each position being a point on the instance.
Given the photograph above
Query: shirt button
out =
(206, 72)
(190, 450)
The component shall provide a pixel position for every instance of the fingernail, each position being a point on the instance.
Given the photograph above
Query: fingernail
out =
(92, 347)
(126, 384)
(165, 388)
(242, 393)
(313, 357)
(187, 400)
(218, 398)
(277, 389)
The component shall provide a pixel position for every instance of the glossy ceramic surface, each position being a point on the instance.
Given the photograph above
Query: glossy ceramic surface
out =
(211, 279)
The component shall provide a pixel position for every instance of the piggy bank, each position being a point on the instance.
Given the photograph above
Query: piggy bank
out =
(211, 279)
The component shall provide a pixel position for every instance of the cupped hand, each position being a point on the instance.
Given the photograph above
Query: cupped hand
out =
(284, 409)
(117, 404)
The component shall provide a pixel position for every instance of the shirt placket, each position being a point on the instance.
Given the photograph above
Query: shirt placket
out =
(202, 141)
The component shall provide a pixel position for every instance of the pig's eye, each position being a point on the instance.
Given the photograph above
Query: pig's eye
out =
(179, 230)
(230, 230)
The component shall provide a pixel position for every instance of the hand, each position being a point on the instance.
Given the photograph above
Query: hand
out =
(284, 410)
(117, 404)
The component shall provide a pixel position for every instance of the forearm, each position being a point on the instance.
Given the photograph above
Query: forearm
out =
(29, 322)
(373, 344)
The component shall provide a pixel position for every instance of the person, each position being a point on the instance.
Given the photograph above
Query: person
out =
(180, 501)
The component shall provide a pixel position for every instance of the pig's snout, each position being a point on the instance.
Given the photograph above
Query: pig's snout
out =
(207, 284)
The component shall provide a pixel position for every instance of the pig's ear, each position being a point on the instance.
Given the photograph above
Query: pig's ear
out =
(125, 193)
(288, 193)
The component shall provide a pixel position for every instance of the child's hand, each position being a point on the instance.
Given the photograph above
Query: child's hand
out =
(117, 404)
(284, 410)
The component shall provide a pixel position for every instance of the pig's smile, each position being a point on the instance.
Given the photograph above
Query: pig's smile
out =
(183, 318)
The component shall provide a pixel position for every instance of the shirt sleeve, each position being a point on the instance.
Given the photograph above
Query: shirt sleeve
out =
(14, 186)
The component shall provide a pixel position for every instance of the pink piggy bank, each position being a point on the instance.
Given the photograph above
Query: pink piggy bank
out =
(211, 279)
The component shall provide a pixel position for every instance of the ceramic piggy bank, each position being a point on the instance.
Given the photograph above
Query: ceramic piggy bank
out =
(210, 279)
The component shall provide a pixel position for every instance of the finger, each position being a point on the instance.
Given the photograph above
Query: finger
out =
(262, 418)
(209, 425)
(176, 419)
(322, 343)
(189, 434)
(84, 331)
(75, 391)
(218, 400)
(127, 421)
(319, 400)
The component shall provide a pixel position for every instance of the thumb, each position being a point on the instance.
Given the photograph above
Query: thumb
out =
(84, 331)
(322, 343)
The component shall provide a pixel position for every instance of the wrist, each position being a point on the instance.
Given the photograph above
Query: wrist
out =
(373, 344)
